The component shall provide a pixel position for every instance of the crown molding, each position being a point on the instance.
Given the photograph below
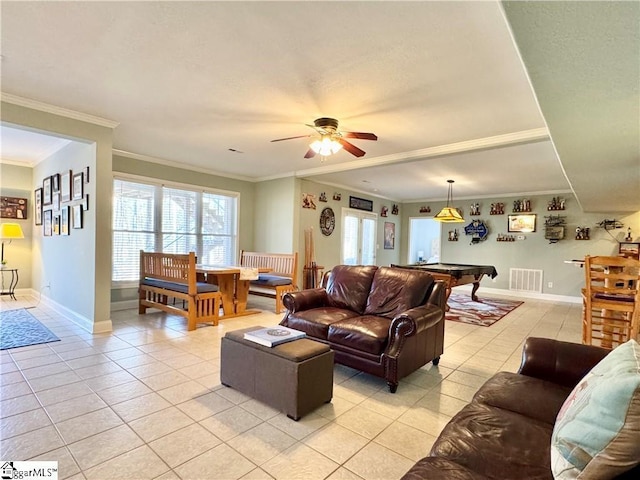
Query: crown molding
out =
(17, 163)
(181, 165)
(514, 138)
(493, 196)
(63, 112)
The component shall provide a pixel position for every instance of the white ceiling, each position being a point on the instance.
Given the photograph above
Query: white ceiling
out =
(440, 83)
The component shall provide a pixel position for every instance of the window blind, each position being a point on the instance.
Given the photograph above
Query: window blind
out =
(155, 217)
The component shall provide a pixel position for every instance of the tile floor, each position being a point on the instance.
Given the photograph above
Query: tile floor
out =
(145, 402)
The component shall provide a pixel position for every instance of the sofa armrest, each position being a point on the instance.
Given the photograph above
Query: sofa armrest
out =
(438, 295)
(410, 323)
(305, 299)
(559, 362)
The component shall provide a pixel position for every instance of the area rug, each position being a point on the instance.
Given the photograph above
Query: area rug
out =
(485, 312)
(18, 328)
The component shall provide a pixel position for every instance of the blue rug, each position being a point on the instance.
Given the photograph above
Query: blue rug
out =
(18, 328)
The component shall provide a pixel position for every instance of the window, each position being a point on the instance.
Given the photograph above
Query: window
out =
(171, 219)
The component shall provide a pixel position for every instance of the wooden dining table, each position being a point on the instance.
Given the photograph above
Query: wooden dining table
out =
(233, 290)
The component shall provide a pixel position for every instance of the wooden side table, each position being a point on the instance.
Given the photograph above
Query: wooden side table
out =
(12, 284)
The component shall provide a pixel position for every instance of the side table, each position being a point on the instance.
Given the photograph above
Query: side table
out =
(12, 284)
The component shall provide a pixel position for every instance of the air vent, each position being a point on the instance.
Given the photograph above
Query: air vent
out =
(525, 280)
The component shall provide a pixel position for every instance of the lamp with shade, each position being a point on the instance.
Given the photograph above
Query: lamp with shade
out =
(9, 231)
(449, 214)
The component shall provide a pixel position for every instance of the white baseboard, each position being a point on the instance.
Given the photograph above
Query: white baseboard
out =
(124, 305)
(80, 320)
(511, 293)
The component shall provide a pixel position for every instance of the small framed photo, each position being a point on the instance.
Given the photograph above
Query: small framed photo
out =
(55, 182)
(64, 220)
(56, 224)
(389, 235)
(56, 201)
(85, 203)
(525, 223)
(361, 204)
(38, 206)
(86, 175)
(78, 186)
(77, 216)
(47, 221)
(46, 191)
(65, 186)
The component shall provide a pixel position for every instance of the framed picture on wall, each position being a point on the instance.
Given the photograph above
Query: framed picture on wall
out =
(361, 204)
(48, 219)
(64, 220)
(46, 191)
(78, 186)
(77, 216)
(56, 201)
(55, 182)
(38, 206)
(65, 186)
(389, 235)
(525, 223)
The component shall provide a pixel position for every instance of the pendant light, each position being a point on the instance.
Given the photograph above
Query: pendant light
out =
(449, 214)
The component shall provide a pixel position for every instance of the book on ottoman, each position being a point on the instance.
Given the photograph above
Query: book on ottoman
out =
(272, 336)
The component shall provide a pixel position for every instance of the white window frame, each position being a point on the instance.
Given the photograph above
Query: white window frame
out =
(159, 184)
(360, 214)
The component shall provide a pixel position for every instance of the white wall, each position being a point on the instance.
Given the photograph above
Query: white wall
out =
(67, 261)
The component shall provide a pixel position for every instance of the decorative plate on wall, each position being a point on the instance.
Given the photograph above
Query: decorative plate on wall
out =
(327, 221)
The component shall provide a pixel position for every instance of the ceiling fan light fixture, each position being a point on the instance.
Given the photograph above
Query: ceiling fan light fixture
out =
(326, 145)
(449, 214)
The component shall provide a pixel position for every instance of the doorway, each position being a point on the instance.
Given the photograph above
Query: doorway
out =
(424, 240)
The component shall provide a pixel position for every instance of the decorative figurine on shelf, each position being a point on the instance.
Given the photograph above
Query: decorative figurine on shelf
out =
(323, 197)
(582, 233)
(394, 209)
(383, 211)
(497, 209)
(475, 209)
(337, 196)
(425, 209)
(556, 203)
(628, 238)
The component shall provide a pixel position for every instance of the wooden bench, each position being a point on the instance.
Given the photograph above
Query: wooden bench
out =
(167, 275)
(282, 276)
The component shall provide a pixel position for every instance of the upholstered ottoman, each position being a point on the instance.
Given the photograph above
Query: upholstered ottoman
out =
(294, 377)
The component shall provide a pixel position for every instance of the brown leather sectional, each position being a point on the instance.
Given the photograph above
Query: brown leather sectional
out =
(505, 432)
(382, 320)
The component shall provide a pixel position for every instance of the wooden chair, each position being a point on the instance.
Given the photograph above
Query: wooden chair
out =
(611, 301)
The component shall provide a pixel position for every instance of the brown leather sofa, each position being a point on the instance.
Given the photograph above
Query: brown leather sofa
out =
(505, 432)
(382, 320)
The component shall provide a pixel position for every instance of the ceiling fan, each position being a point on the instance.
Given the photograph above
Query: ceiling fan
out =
(331, 140)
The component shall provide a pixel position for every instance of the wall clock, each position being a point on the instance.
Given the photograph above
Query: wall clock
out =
(327, 221)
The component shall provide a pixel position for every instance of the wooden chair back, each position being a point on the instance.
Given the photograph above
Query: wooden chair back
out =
(611, 300)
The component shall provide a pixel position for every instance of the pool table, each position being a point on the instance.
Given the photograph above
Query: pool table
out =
(454, 274)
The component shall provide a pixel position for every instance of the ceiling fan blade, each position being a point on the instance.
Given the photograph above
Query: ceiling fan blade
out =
(351, 148)
(310, 153)
(361, 135)
(290, 138)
